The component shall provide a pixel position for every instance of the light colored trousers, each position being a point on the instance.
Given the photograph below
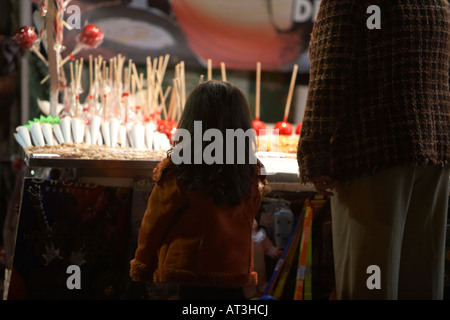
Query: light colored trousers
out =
(396, 220)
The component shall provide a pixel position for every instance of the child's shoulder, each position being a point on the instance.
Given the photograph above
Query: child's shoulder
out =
(260, 172)
(161, 167)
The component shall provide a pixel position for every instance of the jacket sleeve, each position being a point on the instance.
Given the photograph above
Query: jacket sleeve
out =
(163, 204)
(331, 54)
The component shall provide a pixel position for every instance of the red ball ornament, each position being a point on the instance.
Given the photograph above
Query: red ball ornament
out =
(284, 128)
(91, 36)
(258, 125)
(298, 129)
(25, 37)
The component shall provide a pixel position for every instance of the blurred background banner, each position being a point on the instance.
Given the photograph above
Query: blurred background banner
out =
(236, 32)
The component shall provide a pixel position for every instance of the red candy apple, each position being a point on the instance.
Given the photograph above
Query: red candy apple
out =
(25, 37)
(167, 127)
(284, 128)
(170, 129)
(161, 125)
(91, 36)
(258, 125)
(299, 128)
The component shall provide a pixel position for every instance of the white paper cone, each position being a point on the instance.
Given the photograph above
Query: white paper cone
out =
(77, 130)
(130, 137)
(123, 136)
(114, 131)
(48, 133)
(65, 129)
(99, 140)
(24, 134)
(95, 128)
(164, 142)
(156, 140)
(139, 136)
(75, 126)
(87, 135)
(105, 133)
(58, 133)
(82, 131)
(36, 134)
(19, 140)
(150, 129)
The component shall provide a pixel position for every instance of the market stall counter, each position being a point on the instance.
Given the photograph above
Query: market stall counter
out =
(80, 212)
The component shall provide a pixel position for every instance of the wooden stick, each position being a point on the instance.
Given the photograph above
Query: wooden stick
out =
(77, 49)
(72, 83)
(291, 91)
(160, 72)
(104, 92)
(172, 101)
(155, 68)
(162, 65)
(72, 78)
(122, 63)
(117, 78)
(209, 69)
(183, 84)
(224, 72)
(149, 85)
(111, 71)
(176, 87)
(39, 54)
(165, 63)
(52, 59)
(163, 105)
(133, 90)
(80, 71)
(201, 79)
(78, 85)
(258, 90)
(167, 92)
(130, 62)
(136, 75)
(90, 74)
(63, 76)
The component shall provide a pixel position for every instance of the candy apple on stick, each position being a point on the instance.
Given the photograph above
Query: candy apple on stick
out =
(90, 37)
(258, 124)
(284, 127)
(25, 38)
(168, 126)
(298, 129)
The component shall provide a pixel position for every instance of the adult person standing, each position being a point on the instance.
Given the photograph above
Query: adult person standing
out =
(376, 139)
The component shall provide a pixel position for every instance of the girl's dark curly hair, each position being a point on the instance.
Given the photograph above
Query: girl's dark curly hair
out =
(218, 105)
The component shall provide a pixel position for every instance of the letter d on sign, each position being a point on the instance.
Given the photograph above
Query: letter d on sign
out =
(374, 281)
(74, 281)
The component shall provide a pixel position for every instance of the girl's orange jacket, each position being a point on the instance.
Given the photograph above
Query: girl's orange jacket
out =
(185, 238)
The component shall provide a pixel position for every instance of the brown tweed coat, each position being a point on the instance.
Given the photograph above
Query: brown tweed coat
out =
(377, 98)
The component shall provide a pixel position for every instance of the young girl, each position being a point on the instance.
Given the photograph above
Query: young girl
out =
(197, 229)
